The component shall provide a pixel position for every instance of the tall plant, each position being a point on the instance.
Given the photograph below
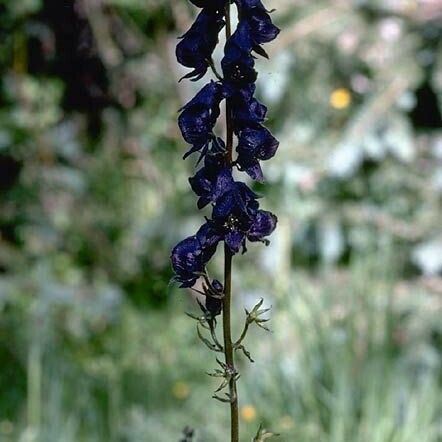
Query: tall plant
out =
(236, 217)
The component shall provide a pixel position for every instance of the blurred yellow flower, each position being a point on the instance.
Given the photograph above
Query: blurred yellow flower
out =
(340, 98)
(248, 413)
(180, 390)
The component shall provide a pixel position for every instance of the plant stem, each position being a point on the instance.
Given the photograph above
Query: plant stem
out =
(228, 346)
(229, 138)
(227, 328)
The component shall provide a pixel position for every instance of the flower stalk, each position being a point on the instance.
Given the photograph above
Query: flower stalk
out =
(236, 217)
(228, 345)
(228, 258)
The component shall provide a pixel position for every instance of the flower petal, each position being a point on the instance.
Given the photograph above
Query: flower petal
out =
(264, 224)
(186, 260)
(198, 43)
(255, 144)
(234, 240)
(199, 116)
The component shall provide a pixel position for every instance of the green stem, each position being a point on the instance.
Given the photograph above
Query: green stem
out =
(228, 346)
(243, 334)
(227, 327)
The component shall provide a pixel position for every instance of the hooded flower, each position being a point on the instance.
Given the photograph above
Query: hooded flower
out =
(264, 224)
(209, 239)
(198, 117)
(198, 43)
(213, 306)
(255, 144)
(259, 24)
(262, 30)
(190, 256)
(247, 111)
(238, 63)
(236, 214)
(213, 179)
(187, 261)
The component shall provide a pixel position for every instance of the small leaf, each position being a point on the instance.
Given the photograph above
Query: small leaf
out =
(209, 345)
(246, 353)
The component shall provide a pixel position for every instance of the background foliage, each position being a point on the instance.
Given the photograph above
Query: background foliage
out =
(94, 345)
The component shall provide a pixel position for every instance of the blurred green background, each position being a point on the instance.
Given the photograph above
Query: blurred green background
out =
(94, 342)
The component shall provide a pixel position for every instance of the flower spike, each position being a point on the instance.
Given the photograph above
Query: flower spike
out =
(236, 217)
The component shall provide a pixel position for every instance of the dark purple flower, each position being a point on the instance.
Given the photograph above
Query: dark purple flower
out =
(213, 179)
(236, 217)
(213, 306)
(247, 111)
(209, 239)
(261, 27)
(187, 261)
(262, 30)
(233, 215)
(255, 144)
(248, 114)
(238, 63)
(259, 24)
(263, 225)
(198, 43)
(190, 256)
(198, 117)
